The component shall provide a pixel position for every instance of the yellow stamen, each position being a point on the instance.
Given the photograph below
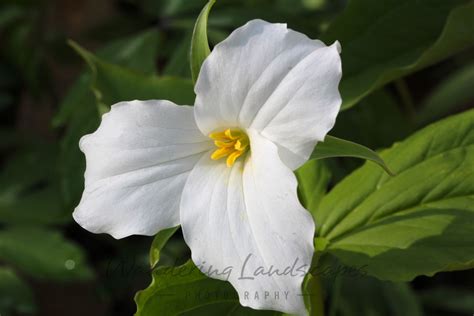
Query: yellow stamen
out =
(231, 143)
(233, 157)
(232, 134)
(221, 152)
(218, 135)
(241, 144)
(220, 143)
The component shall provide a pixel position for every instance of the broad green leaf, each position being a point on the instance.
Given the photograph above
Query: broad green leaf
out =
(112, 83)
(199, 42)
(313, 179)
(158, 243)
(336, 147)
(387, 39)
(137, 52)
(42, 254)
(452, 93)
(417, 223)
(184, 290)
(16, 298)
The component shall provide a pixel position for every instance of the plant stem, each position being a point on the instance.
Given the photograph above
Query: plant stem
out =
(336, 292)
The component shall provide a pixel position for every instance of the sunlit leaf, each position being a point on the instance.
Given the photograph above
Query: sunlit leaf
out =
(420, 221)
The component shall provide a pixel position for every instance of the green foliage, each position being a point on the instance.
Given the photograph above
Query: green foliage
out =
(15, 296)
(129, 75)
(313, 179)
(336, 147)
(451, 94)
(313, 295)
(397, 225)
(418, 222)
(28, 194)
(159, 242)
(449, 299)
(385, 40)
(184, 290)
(43, 254)
(377, 122)
(199, 43)
(368, 296)
(112, 84)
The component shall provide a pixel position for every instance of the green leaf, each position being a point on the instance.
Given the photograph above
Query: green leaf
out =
(15, 295)
(184, 290)
(313, 179)
(71, 160)
(42, 254)
(377, 123)
(385, 40)
(199, 42)
(417, 223)
(158, 243)
(29, 194)
(137, 52)
(40, 207)
(313, 295)
(112, 83)
(336, 147)
(451, 94)
(369, 296)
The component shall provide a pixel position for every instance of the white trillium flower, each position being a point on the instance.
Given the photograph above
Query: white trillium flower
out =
(223, 169)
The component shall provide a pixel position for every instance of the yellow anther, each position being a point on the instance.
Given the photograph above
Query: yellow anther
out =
(241, 144)
(221, 152)
(218, 135)
(231, 143)
(220, 143)
(233, 134)
(233, 157)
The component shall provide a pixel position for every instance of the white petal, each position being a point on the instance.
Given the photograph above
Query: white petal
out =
(137, 163)
(274, 80)
(251, 209)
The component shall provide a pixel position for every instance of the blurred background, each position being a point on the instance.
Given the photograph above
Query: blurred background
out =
(51, 266)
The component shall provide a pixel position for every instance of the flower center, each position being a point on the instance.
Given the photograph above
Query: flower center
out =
(231, 143)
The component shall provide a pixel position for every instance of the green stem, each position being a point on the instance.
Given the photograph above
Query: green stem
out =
(317, 308)
(336, 292)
